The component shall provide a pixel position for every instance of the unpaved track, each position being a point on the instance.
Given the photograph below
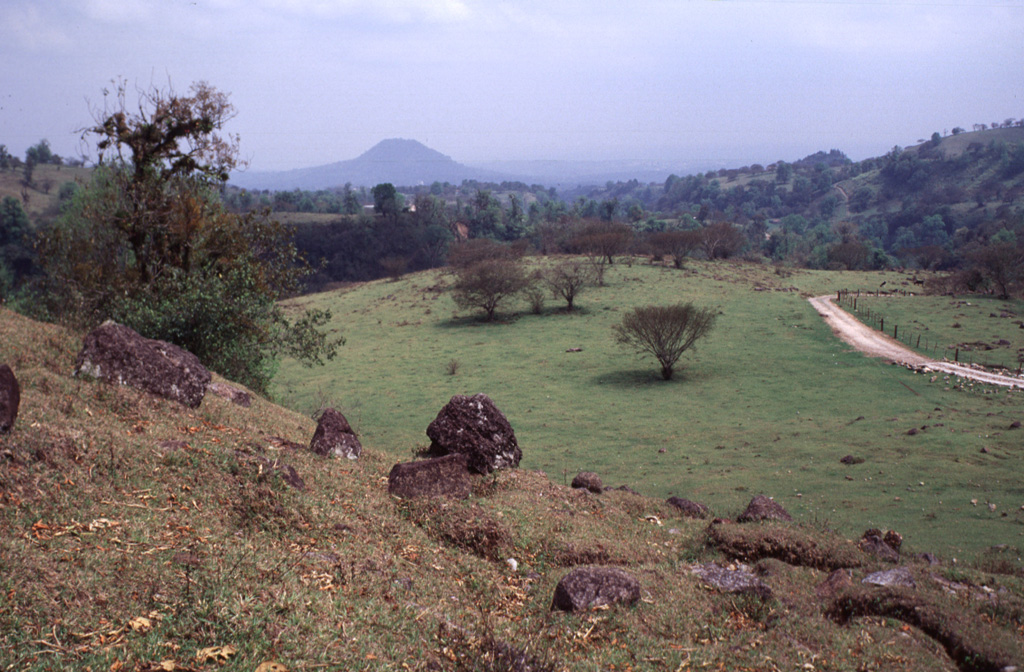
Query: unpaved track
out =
(876, 344)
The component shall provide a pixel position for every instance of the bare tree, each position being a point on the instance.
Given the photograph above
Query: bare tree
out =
(677, 244)
(567, 279)
(665, 331)
(486, 284)
(721, 240)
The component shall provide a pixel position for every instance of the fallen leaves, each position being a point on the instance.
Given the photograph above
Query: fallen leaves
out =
(216, 654)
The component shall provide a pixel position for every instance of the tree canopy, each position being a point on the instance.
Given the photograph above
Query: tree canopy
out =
(148, 242)
(665, 331)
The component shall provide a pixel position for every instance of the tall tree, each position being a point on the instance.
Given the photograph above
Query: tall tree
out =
(149, 243)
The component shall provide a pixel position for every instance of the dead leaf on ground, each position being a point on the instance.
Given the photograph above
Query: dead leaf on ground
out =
(216, 654)
(270, 666)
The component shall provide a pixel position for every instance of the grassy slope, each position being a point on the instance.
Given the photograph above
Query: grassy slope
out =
(42, 195)
(767, 405)
(120, 555)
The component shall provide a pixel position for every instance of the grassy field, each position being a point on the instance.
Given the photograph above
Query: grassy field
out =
(973, 329)
(768, 404)
(139, 535)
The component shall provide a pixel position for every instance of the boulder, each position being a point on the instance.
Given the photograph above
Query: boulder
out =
(115, 353)
(475, 427)
(231, 393)
(763, 508)
(834, 583)
(850, 459)
(733, 579)
(334, 437)
(10, 398)
(446, 476)
(585, 588)
(688, 508)
(588, 480)
(900, 577)
(886, 547)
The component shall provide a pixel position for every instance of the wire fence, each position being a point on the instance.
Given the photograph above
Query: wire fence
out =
(913, 337)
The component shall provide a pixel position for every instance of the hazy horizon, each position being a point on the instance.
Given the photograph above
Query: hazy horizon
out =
(320, 81)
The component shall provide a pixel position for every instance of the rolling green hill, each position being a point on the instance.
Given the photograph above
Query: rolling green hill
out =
(769, 403)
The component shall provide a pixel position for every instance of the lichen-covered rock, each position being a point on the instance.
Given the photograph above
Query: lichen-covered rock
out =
(886, 547)
(763, 508)
(733, 579)
(334, 437)
(900, 577)
(473, 426)
(231, 393)
(688, 508)
(117, 354)
(10, 398)
(585, 588)
(446, 476)
(588, 480)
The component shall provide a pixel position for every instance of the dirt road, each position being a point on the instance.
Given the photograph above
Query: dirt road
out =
(876, 344)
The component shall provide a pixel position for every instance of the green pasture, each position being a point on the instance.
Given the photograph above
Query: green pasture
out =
(973, 329)
(768, 404)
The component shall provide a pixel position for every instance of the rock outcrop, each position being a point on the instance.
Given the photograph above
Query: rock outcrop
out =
(585, 588)
(117, 354)
(446, 476)
(688, 508)
(473, 426)
(588, 480)
(231, 393)
(334, 437)
(10, 398)
(763, 508)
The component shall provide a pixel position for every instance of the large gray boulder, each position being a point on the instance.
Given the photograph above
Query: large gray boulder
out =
(117, 354)
(585, 588)
(446, 476)
(763, 508)
(689, 508)
(733, 579)
(588, 480)
(10, 398)
(334, 437)
(473, 426)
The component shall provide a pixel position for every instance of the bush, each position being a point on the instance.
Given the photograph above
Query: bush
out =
(665, 331)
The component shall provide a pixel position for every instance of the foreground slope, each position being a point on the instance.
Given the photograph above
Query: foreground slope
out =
(136, 534)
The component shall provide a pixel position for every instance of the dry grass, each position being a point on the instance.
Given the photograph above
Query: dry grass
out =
(136, 533)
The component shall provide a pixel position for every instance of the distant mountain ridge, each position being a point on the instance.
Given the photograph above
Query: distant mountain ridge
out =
(398, 161)
(407, 163)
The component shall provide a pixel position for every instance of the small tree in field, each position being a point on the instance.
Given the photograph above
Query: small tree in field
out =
(486, 284)
(567, 280)
(665, 331)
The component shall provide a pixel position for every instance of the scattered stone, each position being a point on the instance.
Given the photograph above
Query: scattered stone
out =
(763, 508)
(626, 488)
(285, 444)
(886, 547)
(850, 459)
(115, 353)
(588, 480)
(662, 450)
(231, 393)
(912, 431)
(10, 398)
(836, 581)
(689, 509)
(928, 557)
(334, 437)
(900, 577)
(991, 507)
(733, 579)
(446, 476)
(1015, 424)
(586, 588)
(475, 427)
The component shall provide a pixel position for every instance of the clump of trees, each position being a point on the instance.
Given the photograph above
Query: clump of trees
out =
(665, 332)
(149, 243)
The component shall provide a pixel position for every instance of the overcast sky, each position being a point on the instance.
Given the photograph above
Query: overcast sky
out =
(318, 81)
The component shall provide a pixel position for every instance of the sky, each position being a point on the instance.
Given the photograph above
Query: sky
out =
(319, 81)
